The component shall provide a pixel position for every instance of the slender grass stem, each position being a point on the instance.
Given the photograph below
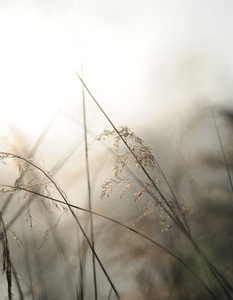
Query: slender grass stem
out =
(89, 189)
(126, 227)
(33, 152)
(6, 258)
(17, 283)
(64, 197)
(168, 208)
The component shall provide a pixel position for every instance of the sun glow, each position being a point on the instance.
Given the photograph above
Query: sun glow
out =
(128, 54)
(38, 61)
(37, 70)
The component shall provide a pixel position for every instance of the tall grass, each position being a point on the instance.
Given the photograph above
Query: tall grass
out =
(177, 246)
(89, 189)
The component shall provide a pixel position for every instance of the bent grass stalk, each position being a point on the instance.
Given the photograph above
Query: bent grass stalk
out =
(223, 283)
(178, 218)
(64, 197)
(34, 150)
(122, 225)
(167, 208)
(89, 189)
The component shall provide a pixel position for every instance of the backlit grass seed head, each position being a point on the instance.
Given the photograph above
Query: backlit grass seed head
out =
(30, 182)
(142, 152)
(123, 183)
(162, 203)
(145, 159)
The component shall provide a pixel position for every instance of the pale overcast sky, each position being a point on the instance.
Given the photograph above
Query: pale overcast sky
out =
(139, 57)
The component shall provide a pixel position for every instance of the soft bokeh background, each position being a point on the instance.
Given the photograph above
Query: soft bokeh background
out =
(140, 58)
(146, 62)
(156, 66)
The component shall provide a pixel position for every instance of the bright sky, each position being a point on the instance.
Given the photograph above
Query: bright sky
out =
(139, 57)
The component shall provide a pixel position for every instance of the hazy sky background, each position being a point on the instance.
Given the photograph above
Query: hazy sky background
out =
(145, 61)
(141, 58)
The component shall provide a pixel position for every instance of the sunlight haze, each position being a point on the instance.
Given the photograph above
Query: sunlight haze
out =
(122, 190)
(140, 58)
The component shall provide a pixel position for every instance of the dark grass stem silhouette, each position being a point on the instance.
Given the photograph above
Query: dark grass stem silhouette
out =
(5, 155)
(89, 189)
(6, 257)
(12, 188)
(33, 152)
(165, 205)
(201, 264)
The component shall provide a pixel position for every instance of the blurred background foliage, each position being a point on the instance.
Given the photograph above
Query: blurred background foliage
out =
(51, 257)
(162, 68)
